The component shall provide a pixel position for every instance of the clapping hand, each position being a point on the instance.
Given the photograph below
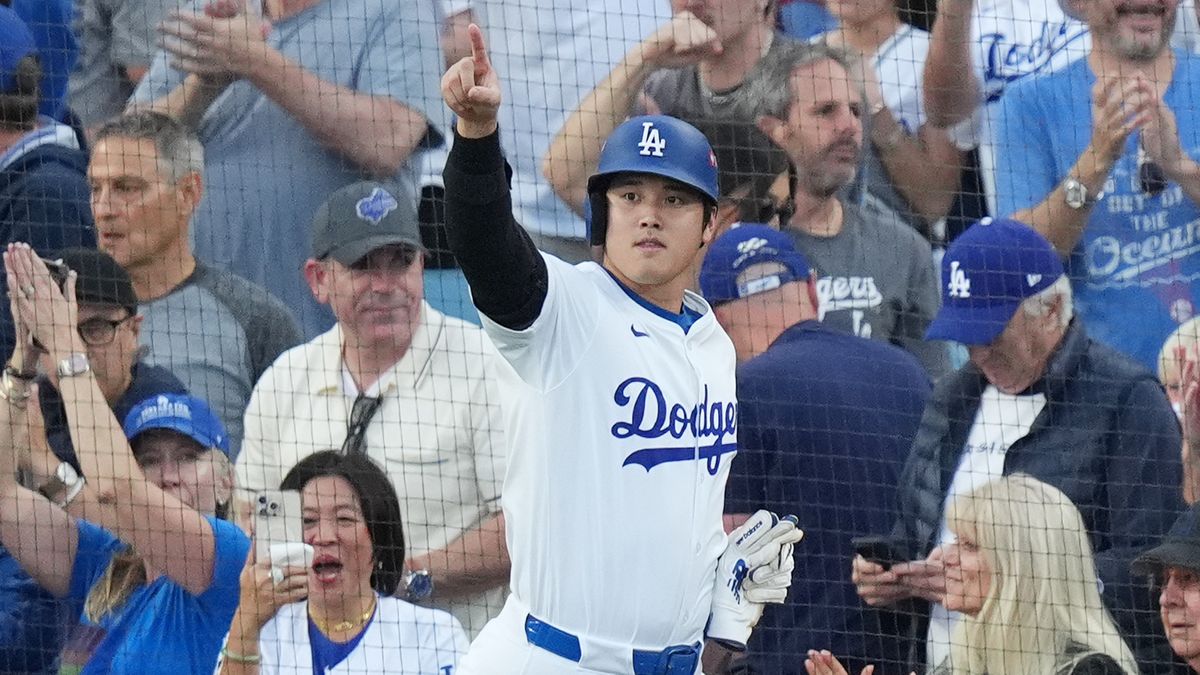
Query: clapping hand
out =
(223, 43)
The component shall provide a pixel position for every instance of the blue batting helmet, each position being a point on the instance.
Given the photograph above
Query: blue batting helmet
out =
(652, 144)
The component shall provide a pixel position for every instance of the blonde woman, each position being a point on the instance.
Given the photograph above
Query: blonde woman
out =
(1021, 572)
(162, 574)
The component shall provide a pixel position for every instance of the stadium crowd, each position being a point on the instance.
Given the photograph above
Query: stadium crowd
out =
(255, 421)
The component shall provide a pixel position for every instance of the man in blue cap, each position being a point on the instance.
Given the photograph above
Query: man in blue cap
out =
(825, 420)
(1038, 397)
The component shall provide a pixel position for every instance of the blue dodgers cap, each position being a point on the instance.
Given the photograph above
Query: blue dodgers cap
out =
(722, 275)
(188, 415)
(16, 42)
(986, 273)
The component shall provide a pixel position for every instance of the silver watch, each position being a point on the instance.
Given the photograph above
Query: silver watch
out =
(74, 365)
(1076, 194)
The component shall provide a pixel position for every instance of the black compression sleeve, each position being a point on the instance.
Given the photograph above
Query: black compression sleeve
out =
(507, 275)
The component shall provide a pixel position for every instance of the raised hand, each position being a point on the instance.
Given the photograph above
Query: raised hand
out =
(50, 313)
(223, 43)
(682, 41)
(1119, 107)
(1160, 135)
(471, 89)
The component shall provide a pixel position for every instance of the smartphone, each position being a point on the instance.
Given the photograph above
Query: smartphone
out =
(879, 550)
(277, 520)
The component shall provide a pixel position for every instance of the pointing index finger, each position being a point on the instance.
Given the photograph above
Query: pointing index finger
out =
(478, 48)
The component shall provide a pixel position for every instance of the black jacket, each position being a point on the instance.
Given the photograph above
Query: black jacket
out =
(44, 202)
(1107, 438)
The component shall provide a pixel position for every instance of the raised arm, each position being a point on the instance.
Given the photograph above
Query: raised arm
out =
(1024, 177)
(171, 536)
(507, 275)
(40, 535)
(575, 152)
(377, 133)
(952, 87)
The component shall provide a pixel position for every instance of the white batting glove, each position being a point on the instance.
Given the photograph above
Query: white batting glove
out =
(755, 569)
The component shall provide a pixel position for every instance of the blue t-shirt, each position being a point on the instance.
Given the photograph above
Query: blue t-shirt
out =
(825, 421)
(161, 628)
(1136, 266)
(33, 623)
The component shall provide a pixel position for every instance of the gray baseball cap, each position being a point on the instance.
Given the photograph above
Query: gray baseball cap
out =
(362, 217)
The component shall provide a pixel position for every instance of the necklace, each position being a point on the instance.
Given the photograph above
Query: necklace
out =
(342, 626)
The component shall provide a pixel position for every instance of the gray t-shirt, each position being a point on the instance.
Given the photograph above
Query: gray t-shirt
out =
(217, 333)
(729, 120)
(876, 280)
(265, 174)
(113, 35)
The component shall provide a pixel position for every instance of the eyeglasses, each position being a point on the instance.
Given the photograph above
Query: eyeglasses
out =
(364, 409)
(1151, 178)
(99, 331)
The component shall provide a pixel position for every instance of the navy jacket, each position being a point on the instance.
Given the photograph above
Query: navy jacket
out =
(33, 623)
(44, 201)
(826, 420)
(1107, 438)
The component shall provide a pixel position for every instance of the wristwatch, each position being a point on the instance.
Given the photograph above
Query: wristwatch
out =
(1076, 194)
(419, 585)
(65, 481)
(74, 365)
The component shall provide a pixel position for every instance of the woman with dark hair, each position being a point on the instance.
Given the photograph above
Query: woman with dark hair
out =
(350, 622)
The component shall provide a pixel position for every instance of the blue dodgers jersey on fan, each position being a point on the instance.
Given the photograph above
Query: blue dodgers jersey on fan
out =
(161, 628)
(621, 430)
(1136, 267)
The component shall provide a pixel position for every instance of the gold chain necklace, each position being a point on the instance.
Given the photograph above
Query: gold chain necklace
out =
(342, 626)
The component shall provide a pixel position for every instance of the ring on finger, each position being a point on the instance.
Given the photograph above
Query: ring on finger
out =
(27, 290)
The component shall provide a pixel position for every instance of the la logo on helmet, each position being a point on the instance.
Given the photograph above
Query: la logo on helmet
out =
(652, 143)
(960, 285)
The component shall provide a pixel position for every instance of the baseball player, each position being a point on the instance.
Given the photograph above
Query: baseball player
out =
(618, 387)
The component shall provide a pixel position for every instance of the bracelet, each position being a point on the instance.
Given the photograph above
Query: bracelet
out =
(240, 658)
(9, 393)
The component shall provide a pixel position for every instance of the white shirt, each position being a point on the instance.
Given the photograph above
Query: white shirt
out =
(550, 54)
(438, 434)
(621, 430)
(1002, 419)
(1013, 39)
(898, 69)
(402, 639)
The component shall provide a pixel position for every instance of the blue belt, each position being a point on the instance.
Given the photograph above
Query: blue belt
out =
(676, 660)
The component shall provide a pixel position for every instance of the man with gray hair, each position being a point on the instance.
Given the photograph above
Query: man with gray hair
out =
(1038, 397)
(215, 331)
(875, 275)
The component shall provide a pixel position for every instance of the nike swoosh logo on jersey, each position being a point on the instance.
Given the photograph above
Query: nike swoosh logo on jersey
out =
(636, 332)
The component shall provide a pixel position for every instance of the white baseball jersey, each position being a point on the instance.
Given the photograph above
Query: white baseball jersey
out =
(1011, 40)
(621, 430)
